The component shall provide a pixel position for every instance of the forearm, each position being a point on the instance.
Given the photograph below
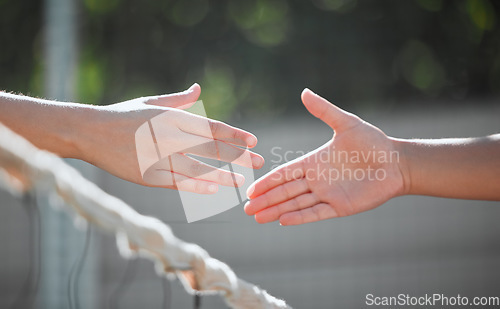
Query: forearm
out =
(467, 168)
(49, 125)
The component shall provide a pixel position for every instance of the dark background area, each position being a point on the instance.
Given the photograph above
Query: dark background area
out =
(254, 57)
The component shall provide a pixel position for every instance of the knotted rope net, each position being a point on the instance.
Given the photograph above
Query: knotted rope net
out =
(23, 168)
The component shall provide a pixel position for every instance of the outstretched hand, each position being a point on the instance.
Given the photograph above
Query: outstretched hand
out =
(357, 170)
(176, 134)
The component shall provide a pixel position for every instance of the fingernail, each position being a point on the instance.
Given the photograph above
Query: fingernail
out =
(190, 88)
(307, 89)
(257, 161)
(245, 208)
(212, 188)
(240, 179)
(235, 179)
(250, 191)
(251, 141)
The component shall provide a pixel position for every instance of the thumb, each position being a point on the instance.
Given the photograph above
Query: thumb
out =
(181, 100)
(336, 118)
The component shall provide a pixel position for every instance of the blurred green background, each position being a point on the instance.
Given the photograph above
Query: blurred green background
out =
(253, 58)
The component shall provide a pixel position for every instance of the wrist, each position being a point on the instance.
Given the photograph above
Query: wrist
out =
(81, 129)
(403, 146)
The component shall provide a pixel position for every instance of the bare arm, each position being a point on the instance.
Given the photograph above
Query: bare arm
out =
(465, 168)
(107, 136)
(49, 125)
(361, 168)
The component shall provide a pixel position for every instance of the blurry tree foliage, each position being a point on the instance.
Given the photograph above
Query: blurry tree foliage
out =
(254, 57)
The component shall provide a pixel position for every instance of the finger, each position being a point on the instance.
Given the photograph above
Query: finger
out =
(273, 213)
(217, 150)
(180, 100)
(230, 134)
(285, 173)
(214, 129)
(333, 116)
(192, 168)
(172, 180)
(312, 214)
(277, 195)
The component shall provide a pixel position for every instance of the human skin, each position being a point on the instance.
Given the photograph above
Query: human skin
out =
(297, 192)
(105, 136)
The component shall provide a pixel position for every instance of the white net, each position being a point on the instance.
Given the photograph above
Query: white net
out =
(24, 167)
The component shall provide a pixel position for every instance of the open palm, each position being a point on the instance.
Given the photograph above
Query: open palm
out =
(125, 146)
(357, 170)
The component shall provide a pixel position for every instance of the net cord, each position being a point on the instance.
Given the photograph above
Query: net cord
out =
(23, 168)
